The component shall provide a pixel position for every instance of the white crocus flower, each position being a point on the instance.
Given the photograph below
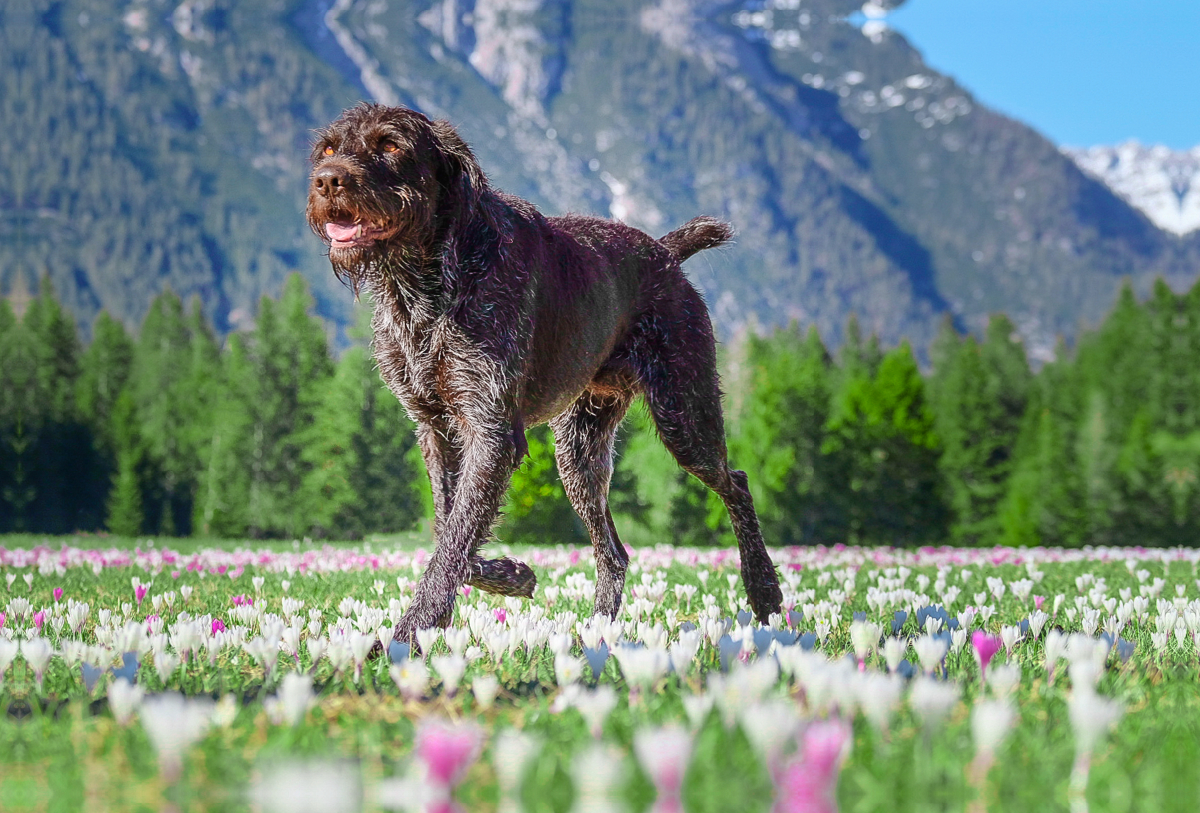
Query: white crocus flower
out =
(1004, 679)
(485, 687)
(991, 721)
(930, 652)
(451, 669)
(293, 700)
(173, 722)
(894, 650)
(595, 706)
(932, 700)
(124, 698)
(411, 677)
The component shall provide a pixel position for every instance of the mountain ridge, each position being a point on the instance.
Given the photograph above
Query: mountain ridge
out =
(860, 180)
(1161, 182)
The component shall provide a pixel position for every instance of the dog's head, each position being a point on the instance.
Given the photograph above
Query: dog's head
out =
(384, 176)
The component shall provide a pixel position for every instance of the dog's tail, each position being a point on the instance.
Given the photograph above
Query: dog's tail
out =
(696, 235)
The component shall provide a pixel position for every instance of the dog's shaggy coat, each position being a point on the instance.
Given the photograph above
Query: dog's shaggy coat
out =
(490, 318)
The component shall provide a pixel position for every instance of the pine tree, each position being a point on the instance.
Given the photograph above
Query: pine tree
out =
(1157, 493)
(13, 389)
(163, 403)
(104, 371)
(883, 426)
(61, 449)
(364, 473)
(978, 395)
(124, 514)
(289, 366)
(537, 509)
(1044, 503)
(779, 436)
(222, 506)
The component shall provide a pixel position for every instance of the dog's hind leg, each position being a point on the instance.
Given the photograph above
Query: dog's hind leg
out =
(583, 447)
(676, 359)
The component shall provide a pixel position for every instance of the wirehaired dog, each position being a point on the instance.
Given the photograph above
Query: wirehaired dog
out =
(490, 318)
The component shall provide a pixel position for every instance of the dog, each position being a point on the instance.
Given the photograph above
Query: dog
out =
(490, 318)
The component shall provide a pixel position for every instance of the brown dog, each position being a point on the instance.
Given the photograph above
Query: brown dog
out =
(490, 318)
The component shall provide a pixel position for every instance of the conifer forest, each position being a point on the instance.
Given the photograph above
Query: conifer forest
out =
(170, 430)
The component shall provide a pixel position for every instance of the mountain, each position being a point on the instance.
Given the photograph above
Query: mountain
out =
(1163, 183)
(159, 142)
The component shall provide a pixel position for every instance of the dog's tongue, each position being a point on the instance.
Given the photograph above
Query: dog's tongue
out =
(342, 232)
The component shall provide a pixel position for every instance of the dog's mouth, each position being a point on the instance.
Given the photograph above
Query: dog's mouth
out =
(356, 233)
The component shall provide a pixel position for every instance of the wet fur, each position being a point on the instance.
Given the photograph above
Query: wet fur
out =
(490, 318)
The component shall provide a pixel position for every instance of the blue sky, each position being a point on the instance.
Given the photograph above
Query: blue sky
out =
(1082, 72)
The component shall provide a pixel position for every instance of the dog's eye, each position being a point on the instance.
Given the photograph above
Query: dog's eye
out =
(328, 150)
(389, 147)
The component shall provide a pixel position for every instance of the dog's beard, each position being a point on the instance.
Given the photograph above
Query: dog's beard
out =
(351, 272)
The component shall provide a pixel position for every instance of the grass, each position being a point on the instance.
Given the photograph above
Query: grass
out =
(62, 749)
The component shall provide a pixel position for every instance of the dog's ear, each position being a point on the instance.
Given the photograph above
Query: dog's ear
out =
(459, 161)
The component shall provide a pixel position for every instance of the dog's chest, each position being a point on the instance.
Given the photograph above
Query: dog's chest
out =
(433, 369)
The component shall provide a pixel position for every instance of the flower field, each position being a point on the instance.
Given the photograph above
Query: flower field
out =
(231, 678)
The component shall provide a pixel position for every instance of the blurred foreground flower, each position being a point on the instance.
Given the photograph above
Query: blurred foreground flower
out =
(663, 754)
(1091, 716)
(485, 687)
(990, 724)
(599, 775)
(308, 787)
(173, 722)
(124, 698)
(8, 653)
(809, 782)
(512, 752)
(293, 700)
(448, 750)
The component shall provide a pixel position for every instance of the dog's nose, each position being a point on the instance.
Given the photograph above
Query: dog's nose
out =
(330, 180)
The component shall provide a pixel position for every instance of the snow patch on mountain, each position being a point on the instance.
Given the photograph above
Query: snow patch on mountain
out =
(1163, 183)
(504, 41)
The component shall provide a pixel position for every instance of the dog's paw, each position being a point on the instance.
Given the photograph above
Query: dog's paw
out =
(505, 577)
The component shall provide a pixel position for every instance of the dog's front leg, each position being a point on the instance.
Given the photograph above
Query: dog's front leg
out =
(441, 457)
(485, 467)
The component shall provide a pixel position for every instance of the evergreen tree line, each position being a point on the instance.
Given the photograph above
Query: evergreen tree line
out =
(172, 433)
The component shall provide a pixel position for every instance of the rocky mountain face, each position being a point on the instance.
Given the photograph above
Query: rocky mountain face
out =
(1163, 183)
(164, 143)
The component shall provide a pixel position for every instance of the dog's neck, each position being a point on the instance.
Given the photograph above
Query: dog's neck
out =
(423, 280)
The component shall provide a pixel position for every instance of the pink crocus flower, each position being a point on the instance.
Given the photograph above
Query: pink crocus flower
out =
(174, 574)
(58, 594)
(3, 618)
(217, 626)
(664, 754)
(986, 646)
(150, 618)
(808, 783)
(39, 618)
(140, 592)
(238, 601)
(501, 614)
(1038, 601)
(466, 590)
(447, 752)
